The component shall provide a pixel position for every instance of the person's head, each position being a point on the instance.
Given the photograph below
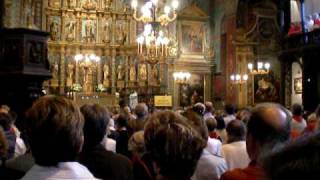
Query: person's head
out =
(197, 122)
(268, 127)
(209, 107)
(122, 121)
(236, 131)
(96, 119)
(5, 121)
(173, 144)
(141, 110)
(244, 115)
(297, 160)
(230, 109)
(54, 127)
(297, 110)
(136, 143)
(211, 124)
(126, 110)
(220, 123)
(4, 109)
(199, 108)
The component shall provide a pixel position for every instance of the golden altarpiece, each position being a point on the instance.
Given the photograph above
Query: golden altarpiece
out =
(107, 29)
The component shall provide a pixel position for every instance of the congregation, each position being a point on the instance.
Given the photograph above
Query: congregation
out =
(60, 140)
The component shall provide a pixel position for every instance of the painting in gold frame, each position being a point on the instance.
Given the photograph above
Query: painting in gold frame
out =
(192, 37)
(297, 85)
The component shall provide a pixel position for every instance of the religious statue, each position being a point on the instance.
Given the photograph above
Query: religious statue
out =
(107, 4)
(87, 79)
(155, 74)
(143, 72)
(105, 71)
(55, 70)
(89, 31)
(89, 4)
(120, 72)
(29, 10)
(70, 73)
(107, 31)
(71, 4)
(121, 33)
(70, 30)
(54, 30)
(132, 73)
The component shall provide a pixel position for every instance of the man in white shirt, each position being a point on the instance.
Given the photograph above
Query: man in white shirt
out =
(235, 152)
(55, 130)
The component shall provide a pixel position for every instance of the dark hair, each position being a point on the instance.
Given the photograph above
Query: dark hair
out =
(317, 111)
(230, 109)
(297, 109)
(174, 145)
(199, 108)
(122, 121)
(5, 121)
(95, 125)
(211, 124)
(265, 126)
(54, 128)
(220, 123)
(236, 131)
(297, 160)
(141, 110)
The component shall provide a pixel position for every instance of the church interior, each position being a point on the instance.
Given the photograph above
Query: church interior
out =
(167, 54)
(109, 51)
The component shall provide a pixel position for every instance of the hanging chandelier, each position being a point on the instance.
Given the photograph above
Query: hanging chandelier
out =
(150, 12)
(153, 41)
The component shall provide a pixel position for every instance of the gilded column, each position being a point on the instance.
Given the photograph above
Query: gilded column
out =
(62, 69)
(113, 70)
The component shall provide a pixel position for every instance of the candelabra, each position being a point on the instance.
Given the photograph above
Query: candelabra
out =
(181, 77)
(262, 68)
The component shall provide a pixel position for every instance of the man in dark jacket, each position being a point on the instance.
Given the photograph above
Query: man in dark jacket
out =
(102, 163)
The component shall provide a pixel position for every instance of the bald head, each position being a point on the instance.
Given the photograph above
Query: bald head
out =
(269, 123)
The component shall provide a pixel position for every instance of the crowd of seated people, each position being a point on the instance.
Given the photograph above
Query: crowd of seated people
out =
(64, 141)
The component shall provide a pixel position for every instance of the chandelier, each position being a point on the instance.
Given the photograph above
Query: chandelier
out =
(238, 78)
(150, 12)
(153, 41)
(261, 68)
(181, 77)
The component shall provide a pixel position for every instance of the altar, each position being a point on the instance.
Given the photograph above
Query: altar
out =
(106, 100)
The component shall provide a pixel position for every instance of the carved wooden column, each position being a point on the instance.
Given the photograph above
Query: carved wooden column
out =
(24, 66)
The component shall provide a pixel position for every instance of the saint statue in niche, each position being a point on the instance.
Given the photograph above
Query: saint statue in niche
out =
(132, 73)
(155, 74)
(143, 72)
(54, 30)
(107, 4)
(89, 31)
(70, 30)
(105, 71)
(121, 33)
(107, 31)
(120, 72)
(71, 3)
(55, 70)
(70, 73)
